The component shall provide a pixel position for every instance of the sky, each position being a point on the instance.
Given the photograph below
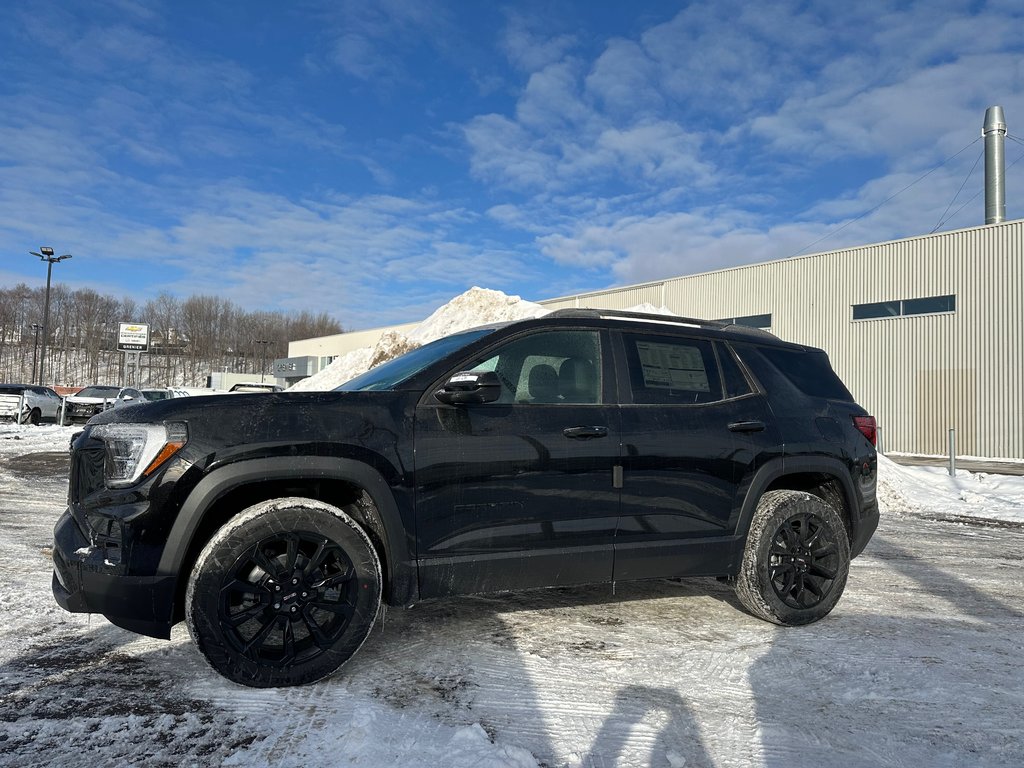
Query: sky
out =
(372, 160)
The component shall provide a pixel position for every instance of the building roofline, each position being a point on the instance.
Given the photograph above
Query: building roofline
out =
(756, 264)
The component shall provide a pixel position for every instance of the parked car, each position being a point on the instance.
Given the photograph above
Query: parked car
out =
(579, 447)
(39, 404)
(87, 402)
(159, 393)
(255, 386)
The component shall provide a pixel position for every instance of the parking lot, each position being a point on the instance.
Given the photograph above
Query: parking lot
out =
(920, 665)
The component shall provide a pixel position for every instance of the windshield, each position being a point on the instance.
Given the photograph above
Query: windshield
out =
(155, 394)
(392, 373)
(107, 392)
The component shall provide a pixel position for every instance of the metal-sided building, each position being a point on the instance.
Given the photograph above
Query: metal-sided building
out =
(926, 332)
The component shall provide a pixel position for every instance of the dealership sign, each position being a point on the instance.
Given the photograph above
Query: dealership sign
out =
(133, 337)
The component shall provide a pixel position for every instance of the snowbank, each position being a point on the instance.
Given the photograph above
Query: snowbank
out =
(931, 492)
(477, 306)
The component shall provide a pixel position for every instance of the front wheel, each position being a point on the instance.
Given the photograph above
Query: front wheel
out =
(284, 593)
(796, 559)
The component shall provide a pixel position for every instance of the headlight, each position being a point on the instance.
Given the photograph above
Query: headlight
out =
(134, 451)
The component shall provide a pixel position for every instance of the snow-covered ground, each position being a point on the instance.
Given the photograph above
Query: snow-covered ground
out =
(919, 665)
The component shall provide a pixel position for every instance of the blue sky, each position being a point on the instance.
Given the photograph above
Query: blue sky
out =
(374, 159)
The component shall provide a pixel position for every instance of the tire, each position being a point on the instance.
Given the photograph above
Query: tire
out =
(796, 559)
(35, 417)
(284, 594)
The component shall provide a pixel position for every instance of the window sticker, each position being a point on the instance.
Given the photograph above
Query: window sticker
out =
(670, 366)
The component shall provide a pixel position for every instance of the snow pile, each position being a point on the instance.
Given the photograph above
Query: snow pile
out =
(477, 306)
(649, 309)
(931, 492)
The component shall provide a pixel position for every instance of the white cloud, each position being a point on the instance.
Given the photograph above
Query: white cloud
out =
(531, 48)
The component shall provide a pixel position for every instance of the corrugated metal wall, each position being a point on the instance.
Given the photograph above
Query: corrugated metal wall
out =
(920, 374)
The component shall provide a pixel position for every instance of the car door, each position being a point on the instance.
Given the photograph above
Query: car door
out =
(48, 401)
(519, 492)
(694, 431)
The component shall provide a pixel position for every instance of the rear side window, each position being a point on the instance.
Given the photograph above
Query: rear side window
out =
(810, 371)
(736, 384)
(667, 370)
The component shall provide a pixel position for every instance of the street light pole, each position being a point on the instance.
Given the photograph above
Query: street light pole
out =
(35, 348)
(46, 254)
(263, 355)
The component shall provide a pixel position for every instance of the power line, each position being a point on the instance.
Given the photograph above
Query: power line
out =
(897, 194)
(976, 194)
(966, 179)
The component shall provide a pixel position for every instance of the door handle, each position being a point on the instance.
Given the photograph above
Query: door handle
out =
(585, 433)
(747, 426)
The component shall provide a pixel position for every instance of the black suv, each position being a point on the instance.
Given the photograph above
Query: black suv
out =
(580, 447)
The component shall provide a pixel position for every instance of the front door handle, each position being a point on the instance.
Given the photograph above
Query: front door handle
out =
(585, 433)
(747, 426)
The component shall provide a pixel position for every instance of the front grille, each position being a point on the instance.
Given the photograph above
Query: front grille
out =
(86, 472)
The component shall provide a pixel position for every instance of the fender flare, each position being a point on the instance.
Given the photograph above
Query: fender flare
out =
(780, 467)
(401, 568)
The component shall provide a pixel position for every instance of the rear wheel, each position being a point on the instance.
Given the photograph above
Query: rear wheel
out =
(284, 594)
(34, 417)
(796, 560)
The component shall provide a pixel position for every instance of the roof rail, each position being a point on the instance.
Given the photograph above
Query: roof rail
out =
(644, 316)
(648, 317)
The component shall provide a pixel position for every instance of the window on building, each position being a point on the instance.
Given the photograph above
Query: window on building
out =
(929, 305)
(923, 306)
(751, 321)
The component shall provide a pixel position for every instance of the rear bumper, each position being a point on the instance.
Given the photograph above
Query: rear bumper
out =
(85, 582)
(864, 528)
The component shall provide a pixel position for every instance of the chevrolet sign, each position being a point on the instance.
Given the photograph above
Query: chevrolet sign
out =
(133, 337)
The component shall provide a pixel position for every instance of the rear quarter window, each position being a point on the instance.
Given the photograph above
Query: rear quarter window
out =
(809, 371)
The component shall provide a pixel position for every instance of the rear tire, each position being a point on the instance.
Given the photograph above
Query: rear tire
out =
(796, 560)
(284, 593)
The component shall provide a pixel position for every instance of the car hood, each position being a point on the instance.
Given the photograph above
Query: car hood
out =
(90, 400)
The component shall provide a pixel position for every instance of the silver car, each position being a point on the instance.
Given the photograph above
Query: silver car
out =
(28, 404)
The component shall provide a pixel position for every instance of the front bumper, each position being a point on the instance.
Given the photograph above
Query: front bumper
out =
(85, 581)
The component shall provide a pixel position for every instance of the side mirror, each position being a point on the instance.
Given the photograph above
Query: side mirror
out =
(470, 387)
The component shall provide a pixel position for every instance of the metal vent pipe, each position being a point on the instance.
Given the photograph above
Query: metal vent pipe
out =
(994, 131)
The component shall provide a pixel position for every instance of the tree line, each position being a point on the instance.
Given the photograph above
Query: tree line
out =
(189, 338)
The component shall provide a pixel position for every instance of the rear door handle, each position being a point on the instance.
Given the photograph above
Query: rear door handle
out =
(585, 433)
(747, 426)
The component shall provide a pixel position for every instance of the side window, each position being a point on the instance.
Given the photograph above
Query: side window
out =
(671, 370)
(735, 383)
(547, 368)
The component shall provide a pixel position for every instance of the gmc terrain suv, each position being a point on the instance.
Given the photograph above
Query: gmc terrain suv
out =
(580, 447)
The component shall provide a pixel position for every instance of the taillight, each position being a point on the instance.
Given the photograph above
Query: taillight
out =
(867, 426)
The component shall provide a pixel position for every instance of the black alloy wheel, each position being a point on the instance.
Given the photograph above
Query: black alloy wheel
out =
(288, 598)
(804, 561)
(284, 593)
(796, 559)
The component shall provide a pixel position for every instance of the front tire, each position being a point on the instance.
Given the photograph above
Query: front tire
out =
(284, 593)
(796, 560)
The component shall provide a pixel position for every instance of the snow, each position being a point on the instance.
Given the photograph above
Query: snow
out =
(931, 492)
(475, 307)
(919, 665)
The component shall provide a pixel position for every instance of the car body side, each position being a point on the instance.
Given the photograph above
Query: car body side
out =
(126, 553)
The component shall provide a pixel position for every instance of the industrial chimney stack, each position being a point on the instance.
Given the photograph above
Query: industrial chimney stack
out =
(994, 131)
